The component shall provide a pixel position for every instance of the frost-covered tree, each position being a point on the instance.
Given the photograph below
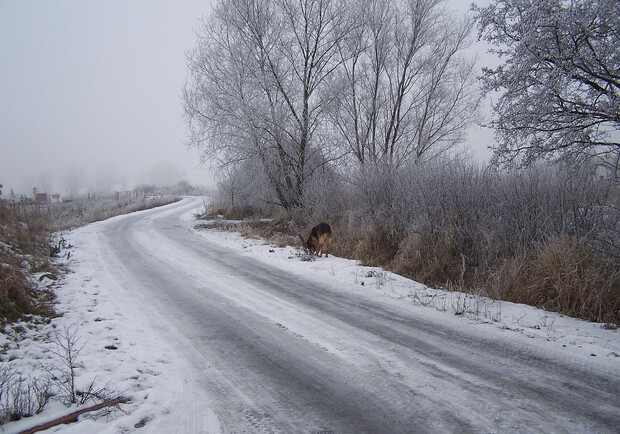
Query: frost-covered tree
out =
(559, 82)
(255, 87)
(406, 89)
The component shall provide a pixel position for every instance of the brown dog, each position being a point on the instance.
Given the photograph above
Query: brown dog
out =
(319, 240)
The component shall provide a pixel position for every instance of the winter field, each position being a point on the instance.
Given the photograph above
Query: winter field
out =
(173, 370)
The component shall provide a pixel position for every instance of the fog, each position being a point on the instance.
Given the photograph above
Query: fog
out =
(90, 94)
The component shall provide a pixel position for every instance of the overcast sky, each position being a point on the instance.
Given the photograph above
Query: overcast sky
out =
(90, 93)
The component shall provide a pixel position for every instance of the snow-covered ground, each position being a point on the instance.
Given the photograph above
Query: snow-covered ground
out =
(126, 353)
(121, 353)
(573, 337)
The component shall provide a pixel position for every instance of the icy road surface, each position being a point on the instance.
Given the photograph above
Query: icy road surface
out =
(273, 350)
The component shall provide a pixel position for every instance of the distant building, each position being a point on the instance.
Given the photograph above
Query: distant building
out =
(41, 198)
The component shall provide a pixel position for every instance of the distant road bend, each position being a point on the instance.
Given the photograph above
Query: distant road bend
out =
(279, 353)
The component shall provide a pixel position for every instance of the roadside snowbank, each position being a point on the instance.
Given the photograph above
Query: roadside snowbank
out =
(122, 352)
(554, 332)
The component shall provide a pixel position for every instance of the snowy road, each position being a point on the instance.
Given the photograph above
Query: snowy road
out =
(276, 351)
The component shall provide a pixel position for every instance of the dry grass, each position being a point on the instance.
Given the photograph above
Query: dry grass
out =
(367, 242)
(24, 248)
(429, 257)
(15, 293)
(562, 274)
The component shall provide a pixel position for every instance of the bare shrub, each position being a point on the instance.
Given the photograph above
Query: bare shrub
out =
(25, 395)
(22, 396)
(324, 197)
(548, 236)
(64, 370)
(241, 192)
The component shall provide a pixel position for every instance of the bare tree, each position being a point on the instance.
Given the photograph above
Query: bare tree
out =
(254, 87)
(560, 80)
(243, 187)
(406, 89)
